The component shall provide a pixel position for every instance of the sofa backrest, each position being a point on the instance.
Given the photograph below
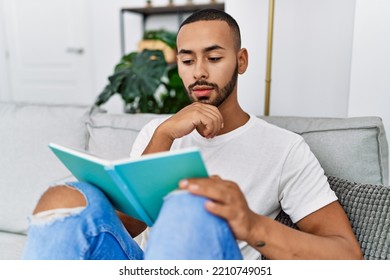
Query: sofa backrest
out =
(355, 149)
(111, 136)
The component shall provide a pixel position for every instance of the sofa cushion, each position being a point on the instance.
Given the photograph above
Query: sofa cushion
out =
(368, 209)
(11, 245)
(355, 149)
(112, 135)
(27, 165)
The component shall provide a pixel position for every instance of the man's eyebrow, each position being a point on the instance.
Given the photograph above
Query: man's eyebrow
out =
(213, 47)
(208, 49)
(184, 51)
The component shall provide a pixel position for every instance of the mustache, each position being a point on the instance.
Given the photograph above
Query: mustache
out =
(202, 83)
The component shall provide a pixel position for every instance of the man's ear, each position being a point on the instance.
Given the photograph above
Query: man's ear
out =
(242, 58)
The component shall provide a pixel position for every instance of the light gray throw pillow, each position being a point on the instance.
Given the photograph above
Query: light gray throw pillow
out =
(368, 209)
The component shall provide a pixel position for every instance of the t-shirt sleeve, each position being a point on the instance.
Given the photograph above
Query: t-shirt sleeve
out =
(303, 187)
(143, 137)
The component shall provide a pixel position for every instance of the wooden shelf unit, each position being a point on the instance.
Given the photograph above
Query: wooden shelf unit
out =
(178, 10)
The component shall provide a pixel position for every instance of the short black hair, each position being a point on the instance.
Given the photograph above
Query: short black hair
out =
(214, 14)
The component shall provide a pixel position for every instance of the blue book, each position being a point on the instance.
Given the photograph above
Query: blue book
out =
(135, 187)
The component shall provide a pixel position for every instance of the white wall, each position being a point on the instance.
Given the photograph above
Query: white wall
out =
(311, 55)
(370, 77)
(105, 36)
(252, 16)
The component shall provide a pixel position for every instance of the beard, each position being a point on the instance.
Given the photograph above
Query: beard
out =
(221, 93)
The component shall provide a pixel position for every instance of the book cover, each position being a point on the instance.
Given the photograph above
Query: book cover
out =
(135, 187)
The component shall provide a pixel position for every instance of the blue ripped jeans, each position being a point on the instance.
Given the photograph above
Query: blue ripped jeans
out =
(183, 230)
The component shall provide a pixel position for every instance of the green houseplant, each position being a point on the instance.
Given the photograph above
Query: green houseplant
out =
(145, 81)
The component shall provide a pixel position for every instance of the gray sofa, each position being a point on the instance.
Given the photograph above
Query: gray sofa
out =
(353, 152)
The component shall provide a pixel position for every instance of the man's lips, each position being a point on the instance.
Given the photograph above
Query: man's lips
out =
(202, 91)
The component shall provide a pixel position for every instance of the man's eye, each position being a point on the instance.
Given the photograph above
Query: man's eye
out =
(187, 61)
(214, 59)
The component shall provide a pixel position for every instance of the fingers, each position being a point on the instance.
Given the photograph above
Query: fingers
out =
(225, 196)
(218, 200)
(205, 118)
(225, 200)
(207, 187)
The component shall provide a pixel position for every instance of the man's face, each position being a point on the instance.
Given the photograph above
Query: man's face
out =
(207, 61)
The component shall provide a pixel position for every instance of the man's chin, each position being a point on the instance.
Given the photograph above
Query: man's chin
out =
(208, 101)
(204, 101)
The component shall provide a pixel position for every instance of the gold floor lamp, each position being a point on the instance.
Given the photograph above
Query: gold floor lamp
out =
(269, 57)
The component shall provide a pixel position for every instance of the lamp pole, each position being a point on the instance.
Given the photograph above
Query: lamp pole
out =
(271, 12)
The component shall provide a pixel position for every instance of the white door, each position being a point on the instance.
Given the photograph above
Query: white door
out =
(49, 53)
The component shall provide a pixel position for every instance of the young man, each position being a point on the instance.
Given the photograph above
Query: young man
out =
(259, 170)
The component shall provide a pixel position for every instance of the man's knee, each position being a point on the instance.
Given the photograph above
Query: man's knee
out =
(192, 209)
(60, 197)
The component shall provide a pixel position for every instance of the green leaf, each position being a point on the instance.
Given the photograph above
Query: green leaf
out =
(165, 36)
(137, 75)
(126, 61)
(104, 96)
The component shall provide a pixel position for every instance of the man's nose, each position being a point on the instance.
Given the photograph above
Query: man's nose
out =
(200, 71)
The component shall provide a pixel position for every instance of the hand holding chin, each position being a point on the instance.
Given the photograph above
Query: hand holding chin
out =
(205, 118)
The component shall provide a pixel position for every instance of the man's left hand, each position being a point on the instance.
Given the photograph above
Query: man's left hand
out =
(226, 201)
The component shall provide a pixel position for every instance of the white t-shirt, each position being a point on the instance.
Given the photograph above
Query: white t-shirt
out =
(274, 168)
